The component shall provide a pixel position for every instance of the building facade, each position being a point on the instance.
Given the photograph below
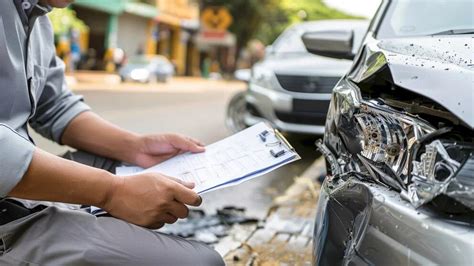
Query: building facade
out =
(165, 27)
(127, 25)
(178, 22)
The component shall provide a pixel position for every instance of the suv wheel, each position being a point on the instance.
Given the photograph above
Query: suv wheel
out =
(236, 109)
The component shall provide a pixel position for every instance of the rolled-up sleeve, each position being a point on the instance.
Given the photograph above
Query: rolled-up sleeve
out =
(57, 105)
(15, 158)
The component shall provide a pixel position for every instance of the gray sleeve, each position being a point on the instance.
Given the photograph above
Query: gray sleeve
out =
(57, 105)
(15, 157)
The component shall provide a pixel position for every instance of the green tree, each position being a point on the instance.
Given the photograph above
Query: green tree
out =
(247, 15)
(288, 12)
(266, 19)
(64, 19)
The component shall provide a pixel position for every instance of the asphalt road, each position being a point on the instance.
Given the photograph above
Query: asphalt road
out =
(197, 108)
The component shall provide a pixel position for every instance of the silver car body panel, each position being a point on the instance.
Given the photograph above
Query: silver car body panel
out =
(379, 222)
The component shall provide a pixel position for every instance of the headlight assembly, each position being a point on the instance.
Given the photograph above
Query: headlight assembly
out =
(140, 74)
(395, 149)
(262, 77)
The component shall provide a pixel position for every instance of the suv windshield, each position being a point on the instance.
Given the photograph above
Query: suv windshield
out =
(289, 42)
(139, 60)
(426, 17)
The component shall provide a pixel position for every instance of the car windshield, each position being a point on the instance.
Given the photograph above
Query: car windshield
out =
(427, 17)
(289, 42)
(139, 60)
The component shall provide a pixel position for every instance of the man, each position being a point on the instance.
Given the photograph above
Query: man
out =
(32, 229)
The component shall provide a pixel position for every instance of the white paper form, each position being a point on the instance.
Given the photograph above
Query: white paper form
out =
(230, 161)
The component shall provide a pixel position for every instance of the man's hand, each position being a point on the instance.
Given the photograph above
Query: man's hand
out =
(154, 149)
(150, 200)
(89, 132)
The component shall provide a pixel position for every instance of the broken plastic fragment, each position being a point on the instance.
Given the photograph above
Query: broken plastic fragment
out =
(437, 173)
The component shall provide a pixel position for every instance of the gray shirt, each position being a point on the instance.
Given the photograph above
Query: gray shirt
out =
(32, 90)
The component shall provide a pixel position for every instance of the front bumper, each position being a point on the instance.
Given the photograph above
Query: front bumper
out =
(367, 223)
(276, 106)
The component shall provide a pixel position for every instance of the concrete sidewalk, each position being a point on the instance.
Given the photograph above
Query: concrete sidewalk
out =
(285, 236)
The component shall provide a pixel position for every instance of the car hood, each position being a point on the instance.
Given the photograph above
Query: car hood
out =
(305, 64)
(439, 68)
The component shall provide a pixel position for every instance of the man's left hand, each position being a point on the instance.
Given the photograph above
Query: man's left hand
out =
(154, 149)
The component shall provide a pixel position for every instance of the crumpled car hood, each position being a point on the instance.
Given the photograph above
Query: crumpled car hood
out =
(439, 68)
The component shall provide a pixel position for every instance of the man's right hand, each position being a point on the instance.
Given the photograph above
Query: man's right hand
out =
(150, 199)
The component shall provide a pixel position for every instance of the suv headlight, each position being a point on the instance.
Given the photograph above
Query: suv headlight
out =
(262, 77)
(140, 74)
(394, 148)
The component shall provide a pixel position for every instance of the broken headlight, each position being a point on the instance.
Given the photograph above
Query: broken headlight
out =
(443, 168)
(372, 140)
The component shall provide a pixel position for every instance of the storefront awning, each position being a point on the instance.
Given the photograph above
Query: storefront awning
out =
(141, 9)
(108, 6)
(214, 38)
(117, 7)
(190, 24)
(169, 19)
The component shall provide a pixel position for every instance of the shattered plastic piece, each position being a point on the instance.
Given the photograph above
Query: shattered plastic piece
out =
(206, 237)
(218, 230)
(234, 215)
(208, 228)
(437, 173)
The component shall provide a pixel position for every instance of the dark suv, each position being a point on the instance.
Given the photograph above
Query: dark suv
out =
(399, 140)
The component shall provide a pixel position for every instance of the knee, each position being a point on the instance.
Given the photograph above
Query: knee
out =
(203, 255)
(214, 258)
(211, 257)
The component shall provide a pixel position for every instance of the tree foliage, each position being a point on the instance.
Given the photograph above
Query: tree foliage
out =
(64, 19)
(247, 17)
(266, 19)
(288, 12)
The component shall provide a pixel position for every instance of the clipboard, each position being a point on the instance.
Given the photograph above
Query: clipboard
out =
(243, 156)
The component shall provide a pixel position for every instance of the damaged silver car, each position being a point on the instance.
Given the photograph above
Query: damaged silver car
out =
(399, 140)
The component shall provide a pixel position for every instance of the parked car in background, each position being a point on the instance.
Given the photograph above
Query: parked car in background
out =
(147, 68)
(291, 88)
(399, 140)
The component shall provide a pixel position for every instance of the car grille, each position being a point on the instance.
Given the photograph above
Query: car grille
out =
(302, 118)
(311, 106)
(307, 84)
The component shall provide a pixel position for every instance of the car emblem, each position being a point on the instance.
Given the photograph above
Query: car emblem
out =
(310, 87)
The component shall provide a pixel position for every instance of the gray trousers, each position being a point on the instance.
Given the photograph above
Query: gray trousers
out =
(54, 236)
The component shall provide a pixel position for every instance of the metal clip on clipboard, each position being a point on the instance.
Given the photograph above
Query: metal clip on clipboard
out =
(281, 141)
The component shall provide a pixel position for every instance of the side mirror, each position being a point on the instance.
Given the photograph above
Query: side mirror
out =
(243, 74)
(335, 44)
